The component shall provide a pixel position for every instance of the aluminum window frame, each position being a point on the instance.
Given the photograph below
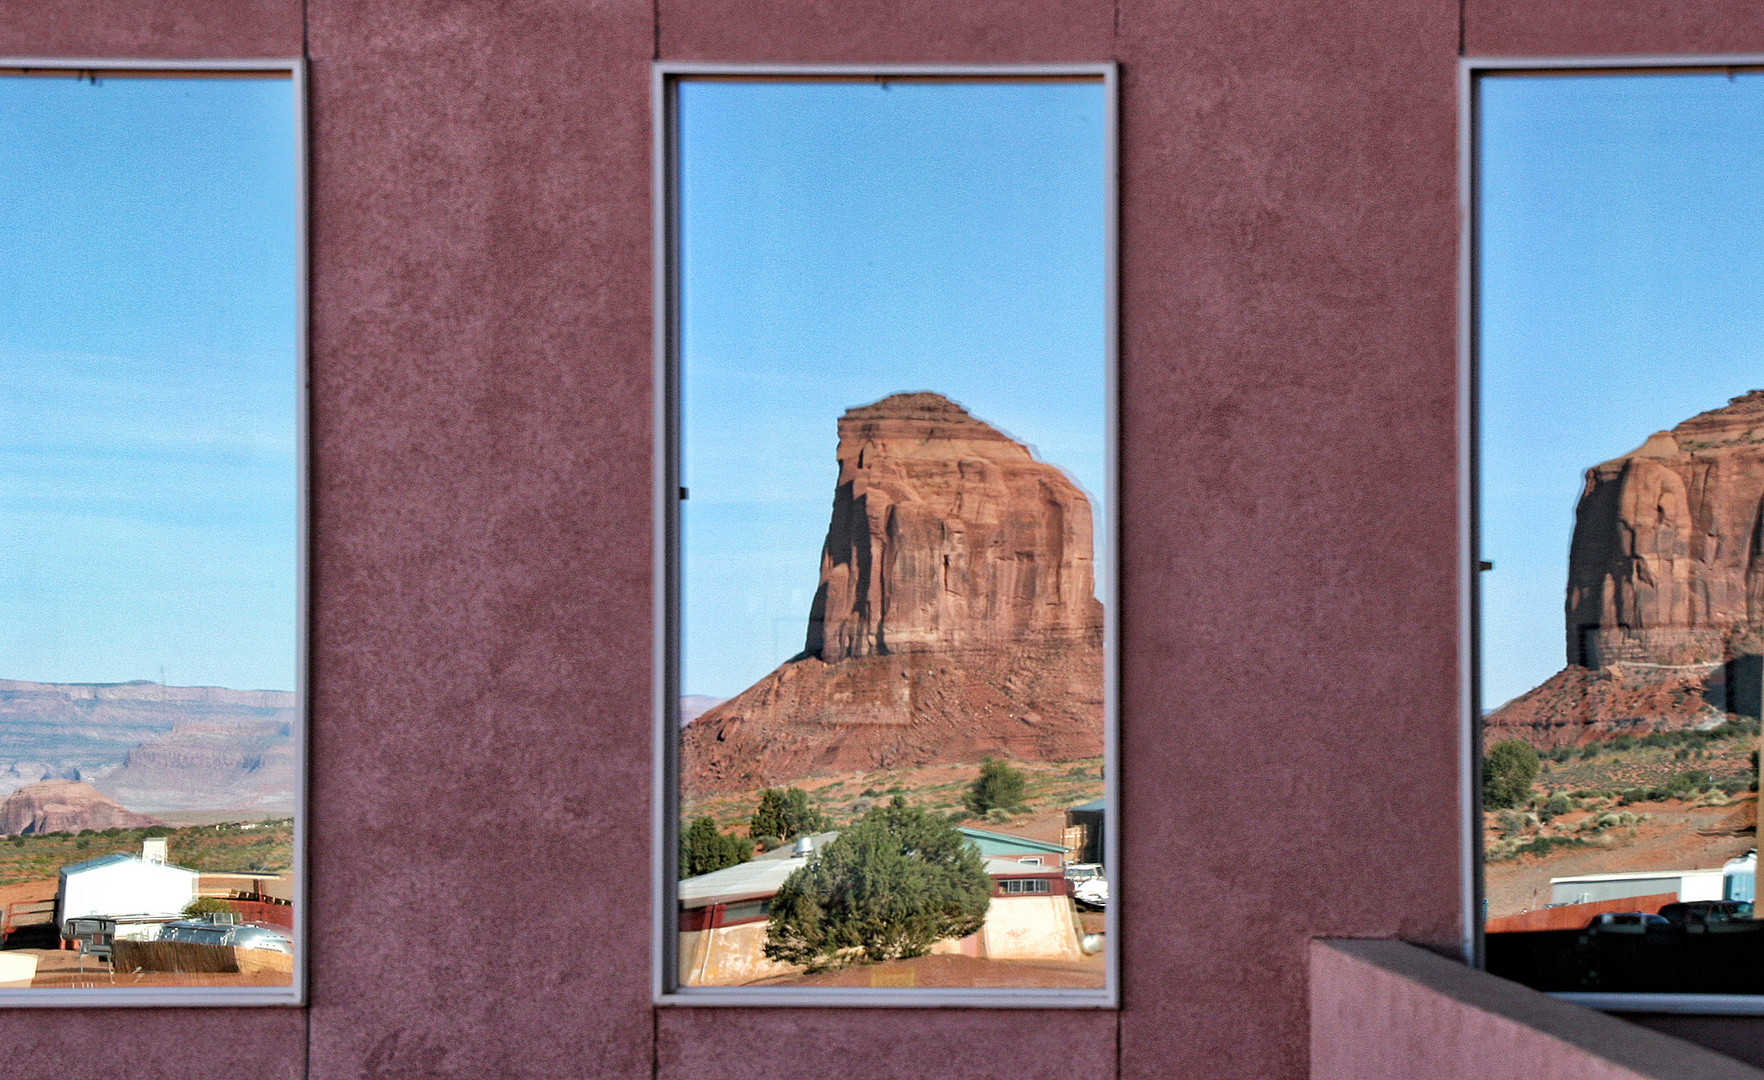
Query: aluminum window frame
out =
(1470, 71)
(665, 991)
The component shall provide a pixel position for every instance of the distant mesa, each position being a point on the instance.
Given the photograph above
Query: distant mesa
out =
(153, 747)
(59, 806)
(1664, 613)
(956, 615)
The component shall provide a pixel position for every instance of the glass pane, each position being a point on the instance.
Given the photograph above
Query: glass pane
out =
(150, 723)
(894, 531)
(1621, 239)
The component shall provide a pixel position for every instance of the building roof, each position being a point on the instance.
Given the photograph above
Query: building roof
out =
(788, 850)
(987, 836)
(1635, 875)
(1013, 868)
(764, 875)
(1095, 806)
(119, 857)
(744, 881)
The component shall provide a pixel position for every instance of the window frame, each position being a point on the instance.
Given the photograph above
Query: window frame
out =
(665, 803)
(1470, 71)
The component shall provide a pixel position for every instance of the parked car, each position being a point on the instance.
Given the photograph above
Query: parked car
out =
(1709, 916)
(204, 931)
(1089, 886)
(1628, 922)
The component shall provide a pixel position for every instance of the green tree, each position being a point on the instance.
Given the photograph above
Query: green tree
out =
(206, 905)
(1508, 769)
(998, 787)
(887, 887)
(785, 813)
(704, 848)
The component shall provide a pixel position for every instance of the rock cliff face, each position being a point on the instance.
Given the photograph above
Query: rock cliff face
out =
(210, 765)
(1665, 599)
(64, 806)
(956, 615)
(1666, 565)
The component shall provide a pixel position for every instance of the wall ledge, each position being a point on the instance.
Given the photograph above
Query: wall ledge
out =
(1451, 1013)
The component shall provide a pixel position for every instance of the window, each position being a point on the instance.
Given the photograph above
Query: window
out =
(886, 304)
(151, 521)
(1619, 410)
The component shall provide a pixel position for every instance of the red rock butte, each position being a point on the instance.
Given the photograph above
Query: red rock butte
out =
(1666, 565)
(55, 806)
(956, 616)
(1665, 583)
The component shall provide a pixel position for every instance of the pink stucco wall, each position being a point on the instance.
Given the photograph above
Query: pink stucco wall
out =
(1385, 1010)
(481, 582)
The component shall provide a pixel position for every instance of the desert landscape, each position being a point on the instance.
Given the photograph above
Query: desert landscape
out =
(954, 628)
(1641, 754)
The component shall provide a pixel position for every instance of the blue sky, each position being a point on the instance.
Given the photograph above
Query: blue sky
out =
(148, 460)
(1622, 291)
(843, 242)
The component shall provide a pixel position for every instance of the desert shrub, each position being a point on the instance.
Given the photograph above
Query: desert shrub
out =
(1554, 805)
(1589, 751)
(1507, 772)
(1685, 784)
(206, 905)
(704, 848)
(1543, 845)
(887, 887)
(1621, 742)
(768, 843)
(785, 812)
(997, 787)
(870, 793)
(998, 815)
(1511, 824)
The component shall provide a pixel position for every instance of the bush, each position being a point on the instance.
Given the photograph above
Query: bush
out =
(206, 905)
(1556, 804)
(1684, 785)
(1543, 845)
(1507, 772)
(888, 887)
(785, 812)
(997, 787)
(703, 848)
(1511, 824)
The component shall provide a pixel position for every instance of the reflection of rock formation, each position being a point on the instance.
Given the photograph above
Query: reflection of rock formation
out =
(211, 765)
(59, 806)
(152, 746)
(1666, 566)
(956, 615)
(1665, 600)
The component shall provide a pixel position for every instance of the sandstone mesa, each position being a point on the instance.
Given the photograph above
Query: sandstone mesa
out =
(1665, 587)
(955, 618)
(59, 806)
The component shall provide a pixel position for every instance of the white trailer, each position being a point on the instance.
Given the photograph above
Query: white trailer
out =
(122, 885)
